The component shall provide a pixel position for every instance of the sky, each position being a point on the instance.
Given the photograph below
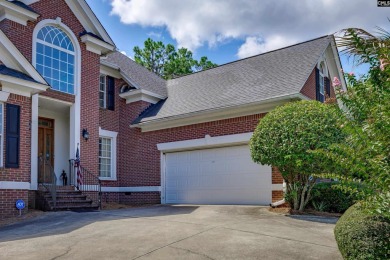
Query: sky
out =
(228, 30)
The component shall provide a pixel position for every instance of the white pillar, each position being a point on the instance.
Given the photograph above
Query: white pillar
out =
(34, 142)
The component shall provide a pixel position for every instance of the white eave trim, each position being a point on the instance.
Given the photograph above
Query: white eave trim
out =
(338, 65)
(88, 19)
(20, 86)
(96, 46)
(141, 95)
(110, 71)
(16, 13)
(12, 58)
(206, 142)
(218, 113)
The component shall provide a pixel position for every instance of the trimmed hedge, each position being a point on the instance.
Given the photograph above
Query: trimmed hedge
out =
(360, 235)
(333, 199)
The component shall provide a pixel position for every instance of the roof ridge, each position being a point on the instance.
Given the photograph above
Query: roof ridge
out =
(253, 56)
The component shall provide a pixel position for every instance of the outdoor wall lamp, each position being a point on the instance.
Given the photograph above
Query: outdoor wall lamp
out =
(85, 134)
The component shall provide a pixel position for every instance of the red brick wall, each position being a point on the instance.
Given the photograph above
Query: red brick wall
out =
(59, 95)
(21, 174)
(139, 198)
(277, 195)
(309, 89)
(7, 202)
(277, 177)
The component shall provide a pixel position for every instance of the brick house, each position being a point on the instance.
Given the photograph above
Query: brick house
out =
(64, 88)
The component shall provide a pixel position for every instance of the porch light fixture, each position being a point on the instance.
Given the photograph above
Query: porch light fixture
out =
(85, 134)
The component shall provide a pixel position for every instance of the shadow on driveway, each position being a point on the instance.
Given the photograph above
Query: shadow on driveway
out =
(318, 219)
(61, 222)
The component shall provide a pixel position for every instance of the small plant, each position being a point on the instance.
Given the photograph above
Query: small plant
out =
(336, 198)
(320, 206)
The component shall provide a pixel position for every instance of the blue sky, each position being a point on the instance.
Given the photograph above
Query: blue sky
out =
(226, 30)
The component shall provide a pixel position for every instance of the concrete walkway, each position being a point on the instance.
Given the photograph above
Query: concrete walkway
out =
(171, 232)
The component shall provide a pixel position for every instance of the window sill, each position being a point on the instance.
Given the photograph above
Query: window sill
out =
(107, 179)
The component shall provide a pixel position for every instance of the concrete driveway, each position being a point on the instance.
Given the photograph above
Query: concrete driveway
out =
(170, 232)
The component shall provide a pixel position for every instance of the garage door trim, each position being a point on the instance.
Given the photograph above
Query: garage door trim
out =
(195, 144)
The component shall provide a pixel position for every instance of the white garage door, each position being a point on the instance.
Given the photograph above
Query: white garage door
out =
(216, 176)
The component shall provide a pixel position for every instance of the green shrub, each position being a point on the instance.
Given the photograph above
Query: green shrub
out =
(332, 198)
(361, 235)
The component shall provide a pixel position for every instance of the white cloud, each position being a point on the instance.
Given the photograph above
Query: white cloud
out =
(255, 45)
(194, 23)
(153, 34)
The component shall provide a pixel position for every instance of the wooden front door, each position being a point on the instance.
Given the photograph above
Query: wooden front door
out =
(45, 149)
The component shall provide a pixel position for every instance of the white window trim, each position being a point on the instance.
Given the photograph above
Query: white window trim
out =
(113, 136)
(322, 84)
(77, 50)
(105, 90)
(2, 136)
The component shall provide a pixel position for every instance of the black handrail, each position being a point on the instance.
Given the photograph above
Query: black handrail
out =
(49, 179)
(89, 184)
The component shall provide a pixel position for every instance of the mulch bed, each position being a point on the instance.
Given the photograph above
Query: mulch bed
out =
(32, 213)
(111, 206)
(289, 211)
(316, 213)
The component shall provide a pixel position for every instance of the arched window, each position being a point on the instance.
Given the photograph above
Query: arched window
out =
(55, 58)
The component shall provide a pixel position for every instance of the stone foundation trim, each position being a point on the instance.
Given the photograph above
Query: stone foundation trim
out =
(14, 185)
(132, 189)
(277, 186)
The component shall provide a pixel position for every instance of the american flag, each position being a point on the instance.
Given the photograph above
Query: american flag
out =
(77, 169)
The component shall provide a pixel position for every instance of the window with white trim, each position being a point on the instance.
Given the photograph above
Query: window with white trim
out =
(1, 133)
(55, 58)
(322, 79)
(105, 157)
(107, 154)
(102, 91)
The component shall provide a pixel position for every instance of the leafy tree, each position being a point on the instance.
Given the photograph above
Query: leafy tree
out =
(365, 155)
(284, 137)
(168, 62)
(154, 55)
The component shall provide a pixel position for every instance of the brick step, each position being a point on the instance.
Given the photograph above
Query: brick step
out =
(67, 196)
(70, 201)
(60, 193)
(70, 188)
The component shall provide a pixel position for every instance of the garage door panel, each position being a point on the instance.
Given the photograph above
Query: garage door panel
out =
(216, 176)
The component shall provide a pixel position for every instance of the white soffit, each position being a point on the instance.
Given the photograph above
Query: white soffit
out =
(97, 46)
(88, 19)
(20, 86)
(13, 59)
(16, 13)
(141, 95)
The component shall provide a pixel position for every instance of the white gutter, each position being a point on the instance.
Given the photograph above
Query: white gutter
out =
(218, 113)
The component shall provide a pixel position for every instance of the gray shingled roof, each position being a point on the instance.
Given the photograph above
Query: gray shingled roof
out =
(141, 77)
(251, 80)
(16, 74)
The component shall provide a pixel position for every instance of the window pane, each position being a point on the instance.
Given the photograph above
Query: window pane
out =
(104, 157)
(56, 54)
(40, 59)
(40, 48)
(55, 63)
